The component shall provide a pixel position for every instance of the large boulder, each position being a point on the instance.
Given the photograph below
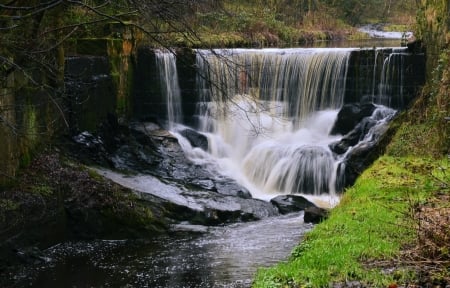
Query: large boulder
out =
(349, 116)
(353, 137)
(291, 203)
(365, 153)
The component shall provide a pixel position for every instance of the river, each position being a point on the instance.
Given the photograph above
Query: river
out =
(225, 256)
(229, 255)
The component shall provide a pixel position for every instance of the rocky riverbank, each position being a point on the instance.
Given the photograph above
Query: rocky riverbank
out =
(60, 196)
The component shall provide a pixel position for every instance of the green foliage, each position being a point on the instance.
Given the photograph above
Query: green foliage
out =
(371, 223)
(42, 190)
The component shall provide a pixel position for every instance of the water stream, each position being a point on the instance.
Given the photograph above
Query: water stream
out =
(218, 257)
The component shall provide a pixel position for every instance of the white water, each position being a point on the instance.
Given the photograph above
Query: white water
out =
(285, 82)
(168, 77)
(267, 115)
(389, 74)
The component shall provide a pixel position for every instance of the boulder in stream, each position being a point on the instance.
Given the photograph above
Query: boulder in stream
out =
(291, 203)
(315, 215)
(196, 139)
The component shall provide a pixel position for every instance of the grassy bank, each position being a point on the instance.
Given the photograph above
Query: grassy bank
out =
(366, 234)
(393, 227)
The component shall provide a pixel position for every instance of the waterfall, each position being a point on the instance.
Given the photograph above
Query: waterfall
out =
(267, 114)
(289, 82)
(168, 77)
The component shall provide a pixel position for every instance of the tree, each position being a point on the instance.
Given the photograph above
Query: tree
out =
(34, 36)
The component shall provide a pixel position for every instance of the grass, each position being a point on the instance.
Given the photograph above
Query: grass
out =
(372, 223)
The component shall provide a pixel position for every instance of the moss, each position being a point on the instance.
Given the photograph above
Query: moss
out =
(42, 190)
(133, 215)
(25, 159)
(119, 52)
(8, 205)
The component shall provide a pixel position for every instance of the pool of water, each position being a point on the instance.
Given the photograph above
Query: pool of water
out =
(227, 256)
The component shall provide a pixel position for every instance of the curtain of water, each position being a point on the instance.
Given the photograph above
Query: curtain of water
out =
(391, 80)
(168, 76)
(305, 80)
(267, 113)
(261, 109)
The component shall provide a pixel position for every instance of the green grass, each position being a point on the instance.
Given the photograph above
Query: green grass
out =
(372, 223)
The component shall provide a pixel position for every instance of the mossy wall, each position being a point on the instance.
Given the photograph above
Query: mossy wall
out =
(97, 84)
(148, 99)
(8, 152)
(433, 28)
(29, 120)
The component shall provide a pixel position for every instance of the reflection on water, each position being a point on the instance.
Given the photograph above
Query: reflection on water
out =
(222, 257)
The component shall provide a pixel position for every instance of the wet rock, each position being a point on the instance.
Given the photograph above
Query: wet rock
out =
(195, 138)
(315, 214)
(363, 155)
(209, 209)
(291, 203)
(185, 191)
(31, 255)
(349, 116)
(230, 188)
(353, 137)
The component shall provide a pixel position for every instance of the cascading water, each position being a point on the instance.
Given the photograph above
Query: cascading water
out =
(390, 74)
(168, 77)
(268, 115)
(291, 82)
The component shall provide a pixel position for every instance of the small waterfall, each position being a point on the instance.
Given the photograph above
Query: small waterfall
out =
(391, 75)
(168, 75)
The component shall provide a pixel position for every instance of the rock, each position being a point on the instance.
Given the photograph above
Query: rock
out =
(31, 255)
(195, 138)
(315, 214)
(415, 46)
(231, 188)
(291, 203)
(154, 165)
(353, 137)
(363, 155)
(209, 209)
(349, 116)
(88, 140)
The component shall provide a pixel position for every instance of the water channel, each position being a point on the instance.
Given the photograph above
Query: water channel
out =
(211, 257)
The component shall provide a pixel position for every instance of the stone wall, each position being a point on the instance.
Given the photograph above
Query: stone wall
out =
(406, 75)
(98, 79)
(28, 117)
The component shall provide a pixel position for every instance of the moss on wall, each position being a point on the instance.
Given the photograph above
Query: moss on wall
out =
(425, 130)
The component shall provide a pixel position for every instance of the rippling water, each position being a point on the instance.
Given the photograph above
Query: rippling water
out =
(219, 257)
